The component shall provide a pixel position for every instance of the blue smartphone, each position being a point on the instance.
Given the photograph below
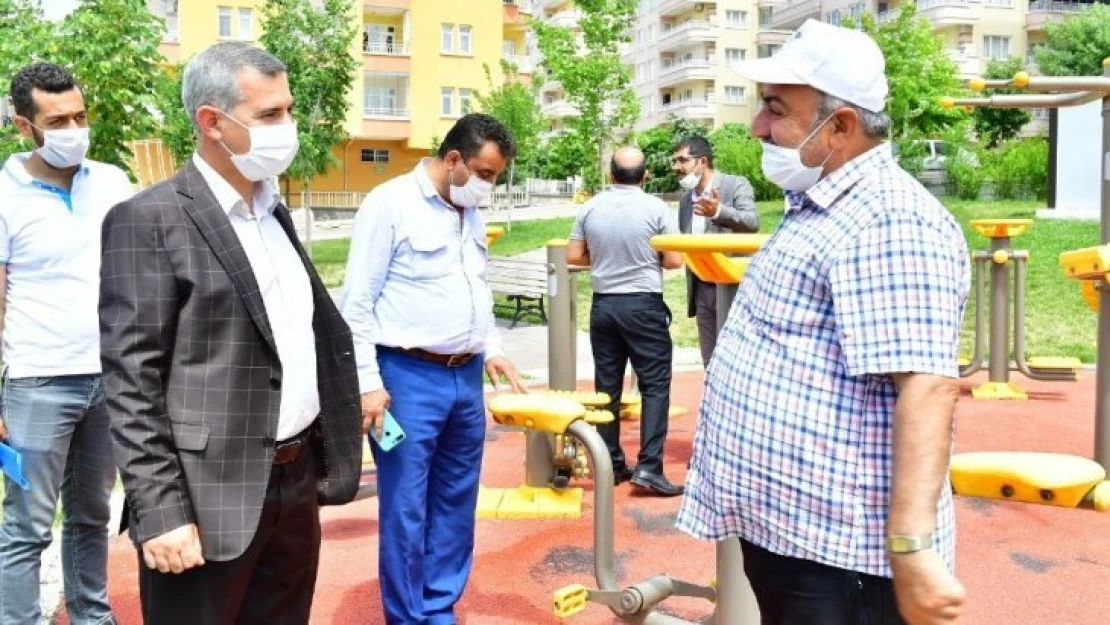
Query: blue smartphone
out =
(392, 434)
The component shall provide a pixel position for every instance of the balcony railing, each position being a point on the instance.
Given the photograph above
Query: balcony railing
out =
(386, 48)
(685, 28)
(525, 6)
(389, 112)
(688, 103)
(674, 66)
(522, 62)
(1055, 6)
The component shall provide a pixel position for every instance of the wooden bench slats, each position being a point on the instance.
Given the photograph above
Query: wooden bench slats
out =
(519, 279)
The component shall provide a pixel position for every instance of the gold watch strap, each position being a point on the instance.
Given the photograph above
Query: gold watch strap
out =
(908, 544)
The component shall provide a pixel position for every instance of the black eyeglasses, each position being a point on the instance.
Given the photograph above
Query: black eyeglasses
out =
(683, 159)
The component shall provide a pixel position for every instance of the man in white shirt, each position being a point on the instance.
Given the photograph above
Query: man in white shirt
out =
(231, 378)
(53, 202)
(421, 312)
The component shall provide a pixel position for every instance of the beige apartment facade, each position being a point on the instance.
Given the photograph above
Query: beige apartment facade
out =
(681, 56)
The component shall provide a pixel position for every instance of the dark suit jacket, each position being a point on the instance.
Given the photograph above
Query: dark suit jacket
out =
(737, 214)
(192, 374)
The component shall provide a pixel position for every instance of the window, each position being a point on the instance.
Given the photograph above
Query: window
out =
(447, 38)
(385, 94)
(380, 39)
(833, 17)
(735, 95)
(736, 19)
(446, 100)
(368, 155)
(995, 47)
(856, 12)
(464, 40)
(245, 16)
(224, 22)
(765, 16)
(464, 100)
(735, 55)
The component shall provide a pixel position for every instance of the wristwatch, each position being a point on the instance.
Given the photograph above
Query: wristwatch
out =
(908, 544)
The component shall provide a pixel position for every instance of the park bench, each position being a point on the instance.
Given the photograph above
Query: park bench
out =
(522, 280)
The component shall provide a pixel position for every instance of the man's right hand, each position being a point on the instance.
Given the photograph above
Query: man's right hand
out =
(374, 404)
(176, 551)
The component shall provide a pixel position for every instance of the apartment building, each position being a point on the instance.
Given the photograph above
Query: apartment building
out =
(682, 54)
(420, 63)
(553, 98)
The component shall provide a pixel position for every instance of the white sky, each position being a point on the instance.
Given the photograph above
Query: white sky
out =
(57, 9)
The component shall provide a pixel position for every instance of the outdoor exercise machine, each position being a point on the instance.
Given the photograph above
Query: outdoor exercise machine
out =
(1054, 479)
(1000, 232)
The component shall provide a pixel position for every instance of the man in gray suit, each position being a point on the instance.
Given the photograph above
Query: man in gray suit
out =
(230, 375)
(711, 202)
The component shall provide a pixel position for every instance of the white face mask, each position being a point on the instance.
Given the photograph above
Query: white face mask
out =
(784, 167)
(471, 194)
(273, 148)
(690, 180)
(65, 148)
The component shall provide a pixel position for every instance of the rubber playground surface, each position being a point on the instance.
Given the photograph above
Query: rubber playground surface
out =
(1020, 563)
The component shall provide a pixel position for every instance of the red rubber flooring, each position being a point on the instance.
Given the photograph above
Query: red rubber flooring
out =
(1020, 563)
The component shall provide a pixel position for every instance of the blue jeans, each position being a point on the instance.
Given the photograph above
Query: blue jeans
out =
(60, 425)
(428, 487)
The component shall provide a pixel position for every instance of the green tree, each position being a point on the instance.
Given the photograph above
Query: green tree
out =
(175, 130)
(1077, 45)
(995, 125)
(918, 71)
(111, 46)
(736, 151)
(24, 38)
(658, 144)
(315, 43)
(514, 104)
(596, 80)
(563, 155)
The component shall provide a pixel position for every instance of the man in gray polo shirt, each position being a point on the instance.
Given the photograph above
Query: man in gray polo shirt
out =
(629, 319)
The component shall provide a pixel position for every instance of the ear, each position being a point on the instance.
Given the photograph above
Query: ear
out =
(208, 120)
(23, 125)
(843, 127)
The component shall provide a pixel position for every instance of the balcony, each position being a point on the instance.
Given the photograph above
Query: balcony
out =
(685, 34)
(689, 69)
(696, 108)
(1042, 12)
(942, 13)
(565, 19)
(967, 65)
(772, 36)
(385, 48)
(558, 109)
(388, 56)
(522, 62)
(553, 4)
(526, 7)
(790, 14)
(670, 8)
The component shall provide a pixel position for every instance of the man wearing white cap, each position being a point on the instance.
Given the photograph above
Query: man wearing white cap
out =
(827, 419)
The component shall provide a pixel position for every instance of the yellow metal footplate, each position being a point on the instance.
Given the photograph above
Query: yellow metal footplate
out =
(1030, 477)
(1053, 364)
(542, 412)
(632, 413)
(526, 502)
(998, 390)
(570, 600)
(586, 398)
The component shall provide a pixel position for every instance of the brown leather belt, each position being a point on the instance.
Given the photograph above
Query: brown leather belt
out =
(447, 360)
(290, 449)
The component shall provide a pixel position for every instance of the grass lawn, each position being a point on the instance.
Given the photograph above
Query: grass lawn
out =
(1057, 323)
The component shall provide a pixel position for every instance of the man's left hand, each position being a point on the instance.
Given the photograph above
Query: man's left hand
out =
(926, 592)
(708, 206)
(500, 366)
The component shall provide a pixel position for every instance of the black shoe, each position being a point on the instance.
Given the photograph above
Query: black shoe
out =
(622, 475)
(656, 483)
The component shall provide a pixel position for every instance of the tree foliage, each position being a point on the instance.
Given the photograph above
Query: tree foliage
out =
(515, 104)
(918, 71)
(315, 44)
(176, 131)
(111, 47)
(1076, 46)
(595, 79)
(737, 152)
(658, 143)
(995, 125)
(563, 155)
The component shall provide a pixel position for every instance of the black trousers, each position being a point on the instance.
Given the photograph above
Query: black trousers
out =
(272, 582)
(792, 591)
(634, 327)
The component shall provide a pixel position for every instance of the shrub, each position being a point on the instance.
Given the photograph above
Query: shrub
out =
(1019, 169)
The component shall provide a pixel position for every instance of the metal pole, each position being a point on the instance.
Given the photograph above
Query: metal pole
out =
(539, 471)
(1000, 315)
(736, 603)
(1102, 384)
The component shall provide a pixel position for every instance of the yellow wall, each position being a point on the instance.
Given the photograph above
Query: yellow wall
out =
(199, 23)
(355, 175)
(431, 70)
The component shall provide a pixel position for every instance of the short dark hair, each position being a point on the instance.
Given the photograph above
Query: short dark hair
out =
(628, 175)
(698, 146)
(42, 76)
(472, 132)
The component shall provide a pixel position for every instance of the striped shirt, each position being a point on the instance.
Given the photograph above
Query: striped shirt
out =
(866, 276)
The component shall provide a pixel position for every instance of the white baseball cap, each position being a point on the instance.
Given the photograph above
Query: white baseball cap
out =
(841, 62)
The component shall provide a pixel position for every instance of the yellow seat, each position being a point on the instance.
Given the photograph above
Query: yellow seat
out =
(493, 233)
(538, 411)
(586, 398)
(705, 254)
(1031, 477)
(1089, 263)
(598, 417)
(1055, 363)
(998, 228)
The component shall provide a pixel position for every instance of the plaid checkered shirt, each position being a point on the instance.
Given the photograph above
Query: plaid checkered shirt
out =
(867, 275)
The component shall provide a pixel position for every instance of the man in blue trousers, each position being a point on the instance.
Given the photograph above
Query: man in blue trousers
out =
(421, 314)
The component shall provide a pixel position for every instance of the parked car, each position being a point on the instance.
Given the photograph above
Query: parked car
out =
(936, 154)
